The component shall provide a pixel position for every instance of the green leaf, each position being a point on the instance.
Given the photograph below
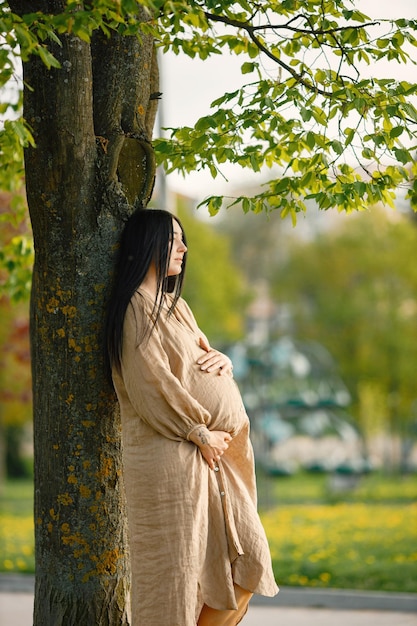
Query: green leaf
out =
(213, 204)
(396, 131)
(319, 115)
(198, 142)
(246, 205)
(247, 68)
(367, 153)
(253, 51)
(410, 111)
(306, 114)
(204, 123)
(47, 58)
(403, 156)
(337, 146)
(83, 34)
(310, 140)
(349, 133)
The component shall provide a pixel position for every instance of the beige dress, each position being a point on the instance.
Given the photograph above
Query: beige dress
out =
(193, 532)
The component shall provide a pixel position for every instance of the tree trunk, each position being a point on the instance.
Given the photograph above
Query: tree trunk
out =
(92, 121)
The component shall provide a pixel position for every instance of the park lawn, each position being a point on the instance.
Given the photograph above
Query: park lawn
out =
(344, 545)
(315, 488)
(366, 539)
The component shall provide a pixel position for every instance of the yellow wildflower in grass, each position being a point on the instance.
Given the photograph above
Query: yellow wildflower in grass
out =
(325, 577)
(16, 543)
(346, 545)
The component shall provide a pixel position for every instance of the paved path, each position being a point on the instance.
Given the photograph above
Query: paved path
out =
(292, 616)
(16, 610)
(292, 607)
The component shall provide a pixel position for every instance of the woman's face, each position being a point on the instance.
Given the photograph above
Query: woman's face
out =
(177, 251)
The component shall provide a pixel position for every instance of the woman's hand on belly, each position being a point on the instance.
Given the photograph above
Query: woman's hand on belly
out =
(214, 360)
(212, 443)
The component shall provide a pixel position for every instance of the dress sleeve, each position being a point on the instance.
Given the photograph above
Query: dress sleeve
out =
(156, 395)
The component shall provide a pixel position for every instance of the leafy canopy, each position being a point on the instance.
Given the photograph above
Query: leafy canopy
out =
(335, 136)
(308, 110)
(362, 306)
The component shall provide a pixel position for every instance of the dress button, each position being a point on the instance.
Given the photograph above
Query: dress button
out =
(222, 493)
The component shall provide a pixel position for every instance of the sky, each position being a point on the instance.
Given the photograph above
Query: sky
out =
(190, 85)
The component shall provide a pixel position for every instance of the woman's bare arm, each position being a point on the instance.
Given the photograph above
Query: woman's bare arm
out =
(212, 443)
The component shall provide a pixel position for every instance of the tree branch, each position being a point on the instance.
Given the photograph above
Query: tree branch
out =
(307, 31)
(250, 30)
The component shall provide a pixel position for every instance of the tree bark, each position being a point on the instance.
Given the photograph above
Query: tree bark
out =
(93, 162)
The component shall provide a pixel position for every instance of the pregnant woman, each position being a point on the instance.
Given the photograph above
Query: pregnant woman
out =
(198, 549)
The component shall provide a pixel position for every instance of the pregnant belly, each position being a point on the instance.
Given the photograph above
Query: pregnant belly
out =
(221, 397)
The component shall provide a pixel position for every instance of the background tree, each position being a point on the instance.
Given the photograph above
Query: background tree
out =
(15, 395)
(258, 241)
(355, 291)
(215, 286)
(90, 97)
(15, 383)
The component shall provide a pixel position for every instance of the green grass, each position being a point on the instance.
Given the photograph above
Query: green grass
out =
(313, 488)
(365, 538)
(344, 545)
(16, 527)
(16, 498)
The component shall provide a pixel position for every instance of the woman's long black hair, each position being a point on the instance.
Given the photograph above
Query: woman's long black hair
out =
(147, 236)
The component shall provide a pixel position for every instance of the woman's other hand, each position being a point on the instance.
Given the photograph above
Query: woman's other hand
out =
(214, 360)
(212, 443)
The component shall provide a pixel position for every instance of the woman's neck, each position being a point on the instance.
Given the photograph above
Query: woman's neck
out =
(149, 283)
